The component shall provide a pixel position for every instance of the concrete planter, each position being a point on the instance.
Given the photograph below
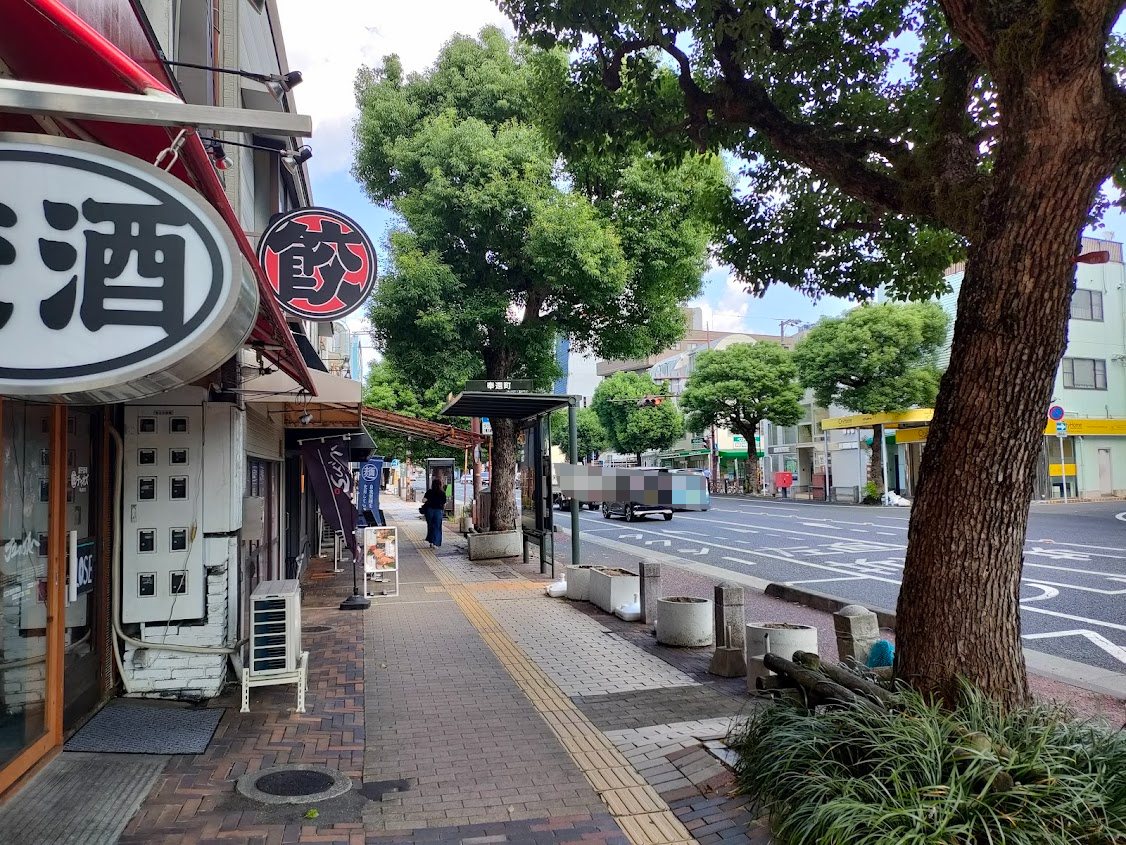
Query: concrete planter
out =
(490, 545)
(685, 621)
(779, 638)
(578, 582)
(611, 588)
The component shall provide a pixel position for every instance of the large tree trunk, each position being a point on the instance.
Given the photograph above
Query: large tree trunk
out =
(503, 480)
(876, 460)
(959, 611)
(754, 483)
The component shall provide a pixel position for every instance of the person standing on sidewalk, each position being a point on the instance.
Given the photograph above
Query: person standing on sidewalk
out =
(434, 509)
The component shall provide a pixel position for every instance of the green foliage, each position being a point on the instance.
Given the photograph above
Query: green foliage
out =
(389, 390)
(871, 493)
(876, 358)
(738, 387)
(920, 774)
(591, 434)
(496, 259)
(632, 430)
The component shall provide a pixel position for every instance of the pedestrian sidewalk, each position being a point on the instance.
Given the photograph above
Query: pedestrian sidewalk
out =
(472, 709)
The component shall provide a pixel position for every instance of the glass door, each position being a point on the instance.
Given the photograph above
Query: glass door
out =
(25, 490)
(80, 668)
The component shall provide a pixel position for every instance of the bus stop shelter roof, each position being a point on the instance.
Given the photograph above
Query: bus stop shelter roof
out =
(505, 406)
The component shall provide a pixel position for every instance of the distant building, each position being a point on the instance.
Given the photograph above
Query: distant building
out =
(562, 358)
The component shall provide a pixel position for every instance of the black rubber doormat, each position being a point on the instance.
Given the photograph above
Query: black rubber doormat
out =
(141, 727)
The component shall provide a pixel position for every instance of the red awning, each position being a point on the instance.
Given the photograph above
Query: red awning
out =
(44, 41)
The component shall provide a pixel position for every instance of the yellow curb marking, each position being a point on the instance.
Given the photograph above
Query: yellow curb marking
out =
(642, 814)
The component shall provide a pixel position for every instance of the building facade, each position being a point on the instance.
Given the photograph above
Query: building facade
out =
(149, 478)
(1090, 384)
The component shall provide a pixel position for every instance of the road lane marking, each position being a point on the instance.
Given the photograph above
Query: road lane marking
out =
(740, 560)
(1115, 651)
(826, 580)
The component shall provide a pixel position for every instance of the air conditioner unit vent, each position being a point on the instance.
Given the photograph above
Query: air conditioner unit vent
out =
(275, 640)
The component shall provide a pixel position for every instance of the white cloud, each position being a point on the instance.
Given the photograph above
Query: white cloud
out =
(329, 41)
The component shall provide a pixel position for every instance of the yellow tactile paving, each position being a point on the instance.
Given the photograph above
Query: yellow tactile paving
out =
(642, 814)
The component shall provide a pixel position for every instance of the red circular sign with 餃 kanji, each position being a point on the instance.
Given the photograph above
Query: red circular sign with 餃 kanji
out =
(321, 265)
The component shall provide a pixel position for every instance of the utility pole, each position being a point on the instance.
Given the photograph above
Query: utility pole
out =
(782, 329)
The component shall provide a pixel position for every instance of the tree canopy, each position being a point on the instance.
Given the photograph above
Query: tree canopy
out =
(632, 429)
(496, 256)
(875, 358)
(591, 435)
(878, 143)
(738, 387)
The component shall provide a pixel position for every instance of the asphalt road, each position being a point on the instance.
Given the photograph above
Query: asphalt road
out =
(1073, 597)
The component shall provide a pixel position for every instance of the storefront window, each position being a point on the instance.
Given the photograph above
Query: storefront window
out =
(24, 491)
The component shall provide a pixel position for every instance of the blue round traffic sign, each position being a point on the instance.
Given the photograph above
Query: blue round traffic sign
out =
(1055, 413)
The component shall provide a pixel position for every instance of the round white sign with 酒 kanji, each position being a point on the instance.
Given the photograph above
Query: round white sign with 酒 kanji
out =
(117, 280)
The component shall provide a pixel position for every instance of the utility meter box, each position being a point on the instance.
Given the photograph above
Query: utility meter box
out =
(253, 519)
(162, 532)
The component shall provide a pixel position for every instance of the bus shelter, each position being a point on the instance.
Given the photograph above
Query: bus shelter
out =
(532, 413)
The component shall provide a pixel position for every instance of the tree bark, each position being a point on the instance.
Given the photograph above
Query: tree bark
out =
(876, 460)
(503, 481)
(959, 612)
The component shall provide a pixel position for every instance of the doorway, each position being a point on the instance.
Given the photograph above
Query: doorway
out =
(1106, 473)
(81, 665)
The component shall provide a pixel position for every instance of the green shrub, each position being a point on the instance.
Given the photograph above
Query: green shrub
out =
(871, 493)
(928, 776)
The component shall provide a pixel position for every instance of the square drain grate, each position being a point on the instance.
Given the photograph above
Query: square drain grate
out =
(506, 574)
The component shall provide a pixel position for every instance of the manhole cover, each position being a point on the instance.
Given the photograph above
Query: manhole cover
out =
(316, 629)
(293, 784)
(505, 574)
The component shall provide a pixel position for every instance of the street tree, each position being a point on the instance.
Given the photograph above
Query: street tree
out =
(873, 360)
(631, 427)
(880, 142)
(495, 256)
(591, 434)
(738, 387)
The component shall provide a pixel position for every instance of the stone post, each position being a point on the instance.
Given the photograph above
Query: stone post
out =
(650, 591)
(729, 660)
(857, 630)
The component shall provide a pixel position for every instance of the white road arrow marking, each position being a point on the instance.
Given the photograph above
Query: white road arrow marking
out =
(1059, 554)
(696, 552)
(1115, 651)
(1047, 592)
(662, 542)
(629, 536)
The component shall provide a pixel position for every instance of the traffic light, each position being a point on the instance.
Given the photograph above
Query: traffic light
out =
(649, 401)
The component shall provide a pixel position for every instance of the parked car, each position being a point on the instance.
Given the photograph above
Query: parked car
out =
(635, 510)
(707, 495)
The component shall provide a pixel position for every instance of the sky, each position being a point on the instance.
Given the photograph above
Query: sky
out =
(328, 48)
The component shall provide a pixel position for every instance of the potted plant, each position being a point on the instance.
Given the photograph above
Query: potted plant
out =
(685, 621)
(612, 587)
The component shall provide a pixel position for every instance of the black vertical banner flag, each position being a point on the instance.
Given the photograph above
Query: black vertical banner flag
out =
(326, 462)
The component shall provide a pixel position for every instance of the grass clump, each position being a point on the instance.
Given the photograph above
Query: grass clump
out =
(920, 774)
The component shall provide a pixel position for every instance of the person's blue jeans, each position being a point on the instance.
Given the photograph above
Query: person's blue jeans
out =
(434, 526)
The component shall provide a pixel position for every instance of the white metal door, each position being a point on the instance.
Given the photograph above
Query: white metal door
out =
(1106, 474)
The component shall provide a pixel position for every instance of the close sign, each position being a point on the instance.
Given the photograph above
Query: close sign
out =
(121, 278)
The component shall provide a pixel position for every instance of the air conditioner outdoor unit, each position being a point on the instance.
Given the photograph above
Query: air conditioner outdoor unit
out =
(275, 655)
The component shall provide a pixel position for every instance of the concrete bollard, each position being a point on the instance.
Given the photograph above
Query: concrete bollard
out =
(650, 591)
(729, 660)
(857, 629)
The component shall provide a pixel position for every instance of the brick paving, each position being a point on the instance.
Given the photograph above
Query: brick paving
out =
(470, 709)
(448, 719)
